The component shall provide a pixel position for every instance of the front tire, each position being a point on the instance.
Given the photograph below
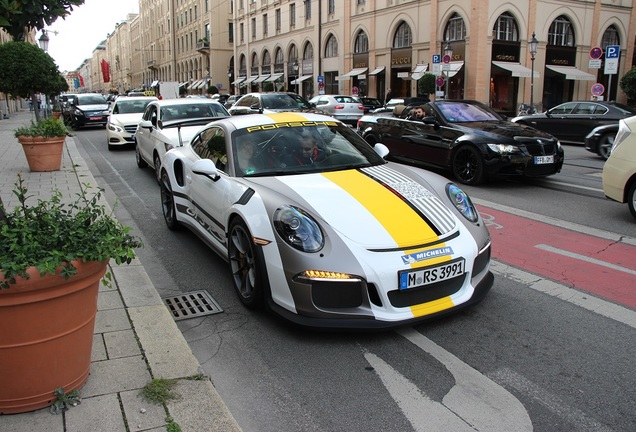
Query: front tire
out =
(468, 166)
(141, 163)
(631, 199)
(157, 163)
(168, 206)
(247, 265)
(605, 145)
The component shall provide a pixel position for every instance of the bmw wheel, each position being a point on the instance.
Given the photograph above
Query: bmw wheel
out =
(168, 206)
(468, 166)
(141, 163)
(246, 264)
(605, 145)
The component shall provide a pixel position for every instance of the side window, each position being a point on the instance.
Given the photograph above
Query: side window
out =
(600, 110)
(210, 144)
(584, 108)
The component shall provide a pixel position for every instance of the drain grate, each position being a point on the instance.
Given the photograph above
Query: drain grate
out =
(192, 305)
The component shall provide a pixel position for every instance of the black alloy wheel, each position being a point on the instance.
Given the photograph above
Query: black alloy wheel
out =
(168, 206)
(247, 265)
(467, 165)
(605, 144)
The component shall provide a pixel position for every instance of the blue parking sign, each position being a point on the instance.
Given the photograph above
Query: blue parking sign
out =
(613, 51)
(437, 58)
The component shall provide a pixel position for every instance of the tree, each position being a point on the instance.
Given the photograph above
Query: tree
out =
(426, 84)
(26, 70)
(212, 90)
(20, 16)
(628, 85)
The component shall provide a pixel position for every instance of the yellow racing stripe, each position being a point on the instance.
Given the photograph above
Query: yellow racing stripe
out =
(287, 117)
(397, 217)
(432, 307)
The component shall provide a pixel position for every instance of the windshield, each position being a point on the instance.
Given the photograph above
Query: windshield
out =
(191, 111)
(459, 112)
(91, 100)
(123, 106)
(284, 101)
(300, 148)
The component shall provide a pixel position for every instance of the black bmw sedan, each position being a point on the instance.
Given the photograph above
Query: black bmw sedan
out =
(572, 121)
(466, 137)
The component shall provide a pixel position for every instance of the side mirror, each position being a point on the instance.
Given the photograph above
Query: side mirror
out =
(206, 167)
(381, 150)
(146, 124)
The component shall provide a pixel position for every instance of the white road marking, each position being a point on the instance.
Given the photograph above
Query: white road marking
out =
(579, 298)
(572, 185)
(585, 258)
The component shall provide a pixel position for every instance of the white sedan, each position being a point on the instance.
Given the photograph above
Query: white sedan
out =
(171, 123)
(317, 225)
(123, 118)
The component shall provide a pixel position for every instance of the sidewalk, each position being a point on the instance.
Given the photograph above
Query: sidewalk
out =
(135, 340)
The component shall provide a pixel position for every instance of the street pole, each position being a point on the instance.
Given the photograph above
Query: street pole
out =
(296, 71)
(448, 51)
(533, 51)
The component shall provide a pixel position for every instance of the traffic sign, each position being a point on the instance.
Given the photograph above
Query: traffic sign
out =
(446, 59)
(613, 51)
(439, 81)
(437, 58)
(598, 89)
(596, 53)
(594, 63)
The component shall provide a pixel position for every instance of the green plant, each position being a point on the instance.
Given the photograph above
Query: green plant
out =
(426, 84)
(212, 89)
(628, 85)
(51, 234)
(171, 425)
(159, 390)
(48, 127)
(64, 401)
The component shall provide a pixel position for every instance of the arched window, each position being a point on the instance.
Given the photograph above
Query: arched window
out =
(242, 65)
(254, 60)
(267, 61)
(610, 37)
(331, 47)
(308, 53)
(561, 32)
(403, 36)
(506, 28)
(278, 58)
(293, 54)
(362, 43)
(455, 29)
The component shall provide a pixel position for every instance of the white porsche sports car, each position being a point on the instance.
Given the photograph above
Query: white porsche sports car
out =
(315, 223)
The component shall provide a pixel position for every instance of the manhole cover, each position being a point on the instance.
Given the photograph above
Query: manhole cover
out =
(191, 305)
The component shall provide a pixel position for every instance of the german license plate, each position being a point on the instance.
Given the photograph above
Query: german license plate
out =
(94, 118)
(539, 160)
(425, 276)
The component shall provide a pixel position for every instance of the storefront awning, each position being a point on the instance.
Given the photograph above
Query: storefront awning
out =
(182, 84)
(352, 73)
(261, 78)
(194, 85)
(517, 69)
(454, 68)
(301, 79)
(275, 77)
(419, 71)
(572, 73)
(238, 80)
(377, 70)
(251, 79)
(154, 83)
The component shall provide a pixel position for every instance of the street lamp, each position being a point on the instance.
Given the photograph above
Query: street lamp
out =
(44, 41)
(448, 51)
(229, 77)
(296, 72)
(533, 51)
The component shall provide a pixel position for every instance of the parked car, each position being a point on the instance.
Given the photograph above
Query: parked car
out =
(467, 138)
(123, 117)
(268, 103)
(170, 123)
(406, 101)
(601, 139)
(347, 109)
(619, 171)
(370, 103)
(573, 121)
(409, 246)
(231, 100)
(86, 109)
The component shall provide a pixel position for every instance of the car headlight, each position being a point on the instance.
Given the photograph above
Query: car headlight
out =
(115, 128)
(298, 229)
(79, 112)
(503, 148)
(461, 202)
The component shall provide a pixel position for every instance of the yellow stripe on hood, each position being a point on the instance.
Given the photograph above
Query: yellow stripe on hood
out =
(396, 216)
(287, 117)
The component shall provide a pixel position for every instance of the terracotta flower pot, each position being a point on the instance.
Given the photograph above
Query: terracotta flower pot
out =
(43, 154)
(46, 336)
(56, 114)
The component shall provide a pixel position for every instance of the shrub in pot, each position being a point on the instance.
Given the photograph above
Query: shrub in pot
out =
(52, 258)
(43, 142)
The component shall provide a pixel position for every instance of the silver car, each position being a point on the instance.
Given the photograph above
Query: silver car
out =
(347, 109)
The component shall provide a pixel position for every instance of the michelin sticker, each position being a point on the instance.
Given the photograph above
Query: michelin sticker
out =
(427, 254)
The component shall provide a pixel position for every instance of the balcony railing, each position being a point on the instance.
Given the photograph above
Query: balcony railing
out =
(152, 64)
(203, 46)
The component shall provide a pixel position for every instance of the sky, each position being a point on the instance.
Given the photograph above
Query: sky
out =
(84, 29)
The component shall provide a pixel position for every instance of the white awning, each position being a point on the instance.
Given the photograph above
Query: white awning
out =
(238, 80)
(352, 73)
(194, 84)
(154, 83)
(419, 71)
(182, 84)
(250, 79)
(454, 68)
(199, 84)
(517, 69)
(377, 70)
(301, 79)
(275, 76)
(572, 73)
(261, 78)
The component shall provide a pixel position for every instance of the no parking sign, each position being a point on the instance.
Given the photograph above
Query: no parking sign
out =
(598, 89)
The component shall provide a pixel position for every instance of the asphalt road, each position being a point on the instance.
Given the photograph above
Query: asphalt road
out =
(537, 354)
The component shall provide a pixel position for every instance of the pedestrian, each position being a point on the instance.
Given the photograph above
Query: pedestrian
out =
(389, 96)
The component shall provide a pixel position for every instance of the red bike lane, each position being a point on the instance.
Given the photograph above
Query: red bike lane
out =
(602, 267)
